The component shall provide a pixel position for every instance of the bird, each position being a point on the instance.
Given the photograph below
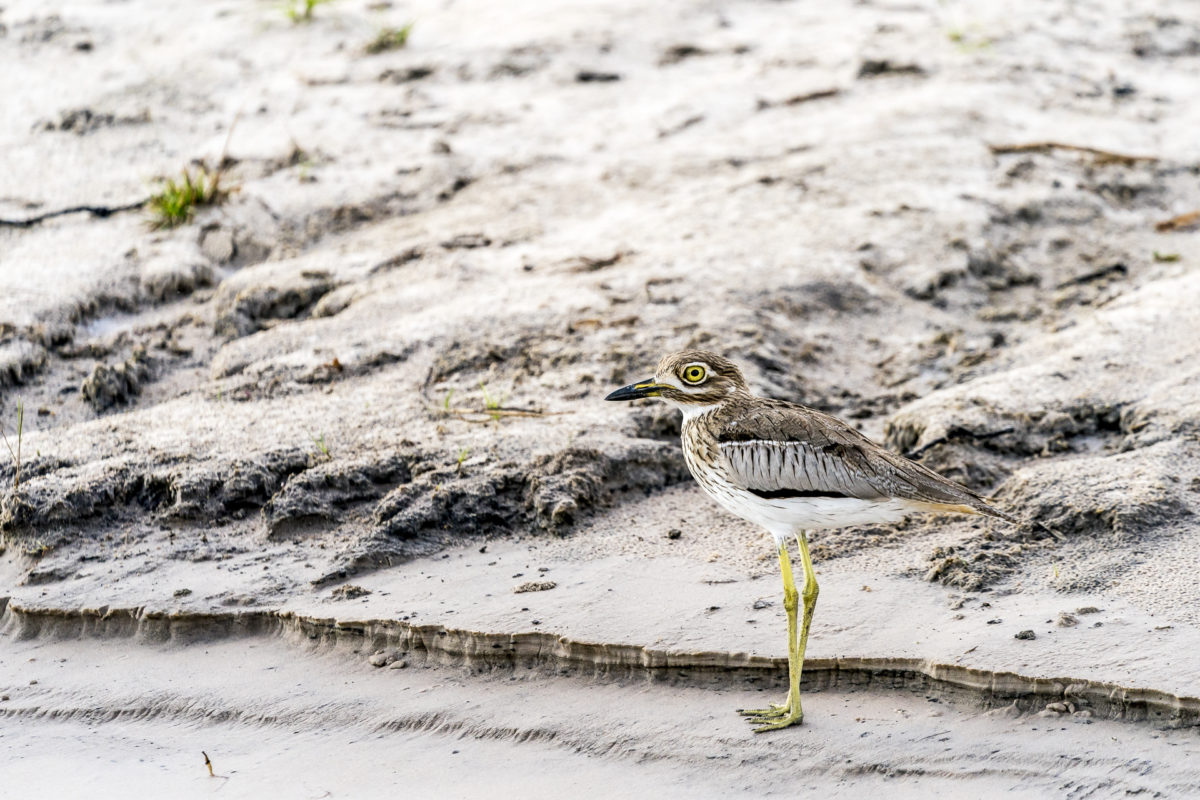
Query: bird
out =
(791, 469)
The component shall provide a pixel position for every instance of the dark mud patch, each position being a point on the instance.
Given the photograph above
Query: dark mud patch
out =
(118, 384)
(1077, 426)
(31, 467)
(324, 492)
(20, 360)
(82, 121)
(77, 502)
(801, 301)
(406, 74)
(550, 493)
(681, 52)
(596, 76)
(881, 67)
(657, 421)
(1108, 502)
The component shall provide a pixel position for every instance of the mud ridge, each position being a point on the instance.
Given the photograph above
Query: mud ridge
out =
(551, 654)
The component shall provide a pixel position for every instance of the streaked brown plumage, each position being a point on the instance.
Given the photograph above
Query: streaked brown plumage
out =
(790, 468)
(773, 445)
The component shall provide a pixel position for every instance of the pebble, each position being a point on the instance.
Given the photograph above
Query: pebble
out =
(1026, 634)
(218, 245)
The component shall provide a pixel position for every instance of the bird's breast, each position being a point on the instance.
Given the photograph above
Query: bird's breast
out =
(703, 458)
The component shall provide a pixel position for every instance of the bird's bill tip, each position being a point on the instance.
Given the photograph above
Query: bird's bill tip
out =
(646, 388)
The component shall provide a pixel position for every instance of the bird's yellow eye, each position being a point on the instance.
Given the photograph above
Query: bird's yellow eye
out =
(693, 373)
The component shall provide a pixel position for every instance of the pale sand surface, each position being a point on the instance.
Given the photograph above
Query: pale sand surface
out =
(119, 720)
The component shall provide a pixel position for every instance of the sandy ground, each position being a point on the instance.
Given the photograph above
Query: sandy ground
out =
(269, 718)
(258, 452)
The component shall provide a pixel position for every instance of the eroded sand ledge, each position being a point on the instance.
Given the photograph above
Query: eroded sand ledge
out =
(436, 645)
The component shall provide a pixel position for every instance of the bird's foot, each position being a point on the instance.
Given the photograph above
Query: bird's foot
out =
(777, 716)
(774, 710)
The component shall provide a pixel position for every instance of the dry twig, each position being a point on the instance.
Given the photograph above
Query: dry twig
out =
(1102, 156)
(1183, 222)
(490, 414)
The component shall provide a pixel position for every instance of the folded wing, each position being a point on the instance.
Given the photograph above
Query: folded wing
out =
(782, 451)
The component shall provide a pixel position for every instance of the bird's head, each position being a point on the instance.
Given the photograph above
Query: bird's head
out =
(688, 379)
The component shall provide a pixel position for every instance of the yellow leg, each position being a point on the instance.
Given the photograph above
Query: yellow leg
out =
(790, 712)
(809, 596)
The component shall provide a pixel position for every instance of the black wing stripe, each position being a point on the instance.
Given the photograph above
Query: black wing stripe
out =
(779, 494)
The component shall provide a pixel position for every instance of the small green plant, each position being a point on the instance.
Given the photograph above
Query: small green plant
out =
(462, 456)
(1166, 258)
(177, 200)
(492, 404)
(389, 39)
(968, 42)
(16, 454)
(319, 446)
(302, 10)
(446, 403)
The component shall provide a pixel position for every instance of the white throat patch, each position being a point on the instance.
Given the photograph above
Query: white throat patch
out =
(691, 411)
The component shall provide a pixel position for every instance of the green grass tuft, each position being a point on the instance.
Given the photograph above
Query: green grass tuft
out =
(320, 449)
(302, 10)
(177, 200)
(491, 403)
(389, 39)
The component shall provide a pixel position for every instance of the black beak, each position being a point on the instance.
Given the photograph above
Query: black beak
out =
(646, 388)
